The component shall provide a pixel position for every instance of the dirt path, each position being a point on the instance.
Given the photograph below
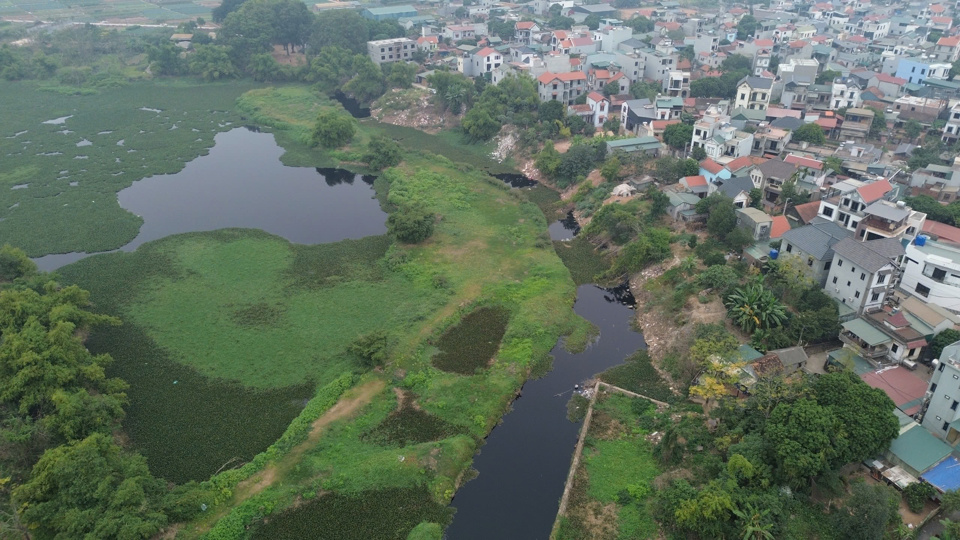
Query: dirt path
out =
(351, 402)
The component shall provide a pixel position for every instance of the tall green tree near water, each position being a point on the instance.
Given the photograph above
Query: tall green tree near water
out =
(333, 129)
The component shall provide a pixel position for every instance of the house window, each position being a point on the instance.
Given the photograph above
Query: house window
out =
(881, 279)
(826, 266)
(789, 248)
(848, 284)
(922, 290)
(809, 261)
(839, 263)
(828, 211)
(834, 280)
(953, 407)
(940, 368)
(945, 426)
(875, 297)
(894, 348)
(857, 294)
(862, 276)
(853, 269)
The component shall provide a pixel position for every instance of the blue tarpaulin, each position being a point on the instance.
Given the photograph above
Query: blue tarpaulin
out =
(945, 476)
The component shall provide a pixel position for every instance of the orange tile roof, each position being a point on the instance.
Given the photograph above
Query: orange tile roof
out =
(763, 42)
(875, 191)
(941, 20)
(951, 41)
(662, 124)
(884, 77)
(942, 231)
(711, 166)
(596, 96)
(486, 51)
(575, 62)
(807, 211)
(826, 123)
(565, 77)
(779, 226)
(802, 161)
(696, 181)
(525, 25)
(739, 163)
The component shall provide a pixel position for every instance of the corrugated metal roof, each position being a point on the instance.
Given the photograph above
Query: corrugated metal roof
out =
(919, 449)
(866, 332)
(816, 239)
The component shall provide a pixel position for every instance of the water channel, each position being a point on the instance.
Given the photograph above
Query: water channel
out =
(242, 183)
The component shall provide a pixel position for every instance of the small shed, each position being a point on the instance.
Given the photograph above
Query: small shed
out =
(624, 190)
(649, 145)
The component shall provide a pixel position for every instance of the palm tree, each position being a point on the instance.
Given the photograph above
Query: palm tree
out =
(755, 525)
(753, 307)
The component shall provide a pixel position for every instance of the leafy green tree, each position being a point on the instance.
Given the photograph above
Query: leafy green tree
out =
(789, 192)
(736, 62)
(864, 415)
(721, 215)
(879, 124)
(811, 133)
(912, 129)
(934, 36)
(225, 8)
(678, 135)
(868, 512)
(248, 31)
(756, 198)
(548, 160)
(343, 28)
(698, 153)
(411, 224)
(658, 203)
(718, 276)
(479, 125)
(576, 163)
(688, 167)
(754, 307)
(401, 74)
(330, 69)
(382, 152)
(917, 495)
(610, 171)
(833, 163)
(617, 221)
(368, 84)
(801, 435)
(15, 264)
(454, 91)
(941, 340)
(165, 59)
(551, 111)
(950, 501)
(592, 22)
(827, 76)
(372, 349)
(333, 129)
(708, 513)
(264, 67)
(92, 489)
(747, 27)
(640, 24)
(643, 89)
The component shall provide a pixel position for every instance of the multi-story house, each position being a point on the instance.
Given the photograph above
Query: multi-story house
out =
(385, 51)
(481, 61)
(677, 84)
(862, 274)
(931, 272)
(845, 94)
(598, 79)
(526, 32)
(753, 93)
(608, 38)
(761, 62)
(947, 49)
(845, 201)
(886, 219)
(917, 108)
(856, 124)
(768, 140)
(951, 131)
(918, 70)
(883, 336)
(812, 245)
(770, 176)
(563, 87)
(943, 408)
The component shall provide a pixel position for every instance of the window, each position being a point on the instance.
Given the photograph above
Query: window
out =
(922, 290)
(875, 297)
(953, 407)
(810, 261)
(862, 276)
(834, 280)
(789, 248)
(894, 348)
(940, 368)
(945, 426)
(828, 211)
(881, 279)
(857, 294)
(826, 266)
(839, 263)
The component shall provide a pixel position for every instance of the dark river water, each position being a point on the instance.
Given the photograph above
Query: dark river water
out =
(241, 183)
(523, 465)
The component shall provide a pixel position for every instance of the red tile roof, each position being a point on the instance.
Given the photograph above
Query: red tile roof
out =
(581, 41)
(941, 20)
(803, 161)
(566, 77)
(662, 124)
(951, 41)
(899, 383)
(807, 211)
(875, 191)
(763, 42)
(668, 25)
(486, 51)
(936, 8)
(942, 231)
(779, 226)
(798, 44)
(574, 61)
(695, 181)
(711, 166)
(739, 163)
(525, 25)
(884, 77)
(826, 123)
(596, 96)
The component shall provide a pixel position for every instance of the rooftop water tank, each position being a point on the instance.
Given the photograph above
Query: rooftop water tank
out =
(921, 240)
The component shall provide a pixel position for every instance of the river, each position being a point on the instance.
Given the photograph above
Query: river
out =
(524, 463)
(242, 183)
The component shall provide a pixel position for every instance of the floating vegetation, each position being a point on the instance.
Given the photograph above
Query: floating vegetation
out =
(471, 345)
(409, 425)
(384, 514)
(260, 314)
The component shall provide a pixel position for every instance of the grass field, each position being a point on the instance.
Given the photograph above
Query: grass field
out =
(134, 11)
(59, 181)
(612, 486)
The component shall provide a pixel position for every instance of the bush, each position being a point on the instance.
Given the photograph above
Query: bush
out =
(412, 224)
(917, 495)
(333, 129)
(382, 153)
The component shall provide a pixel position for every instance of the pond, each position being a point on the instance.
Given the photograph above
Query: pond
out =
(241, 183)
(523, 465)
(564, 229)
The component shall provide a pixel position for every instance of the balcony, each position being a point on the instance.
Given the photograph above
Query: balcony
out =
(875, 353)
(879, 224)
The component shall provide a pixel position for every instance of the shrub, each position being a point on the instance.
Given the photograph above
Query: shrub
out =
(412, 224)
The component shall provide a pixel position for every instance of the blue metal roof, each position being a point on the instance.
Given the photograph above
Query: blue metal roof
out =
(945, 476)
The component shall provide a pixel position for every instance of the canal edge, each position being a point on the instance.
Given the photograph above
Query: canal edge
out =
(578, 451)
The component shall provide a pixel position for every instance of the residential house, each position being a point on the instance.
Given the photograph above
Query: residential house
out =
(947, 49)
(862, 274)
(768, 140)
(481, 61)
(682, 205)
(385, 51)
(845, 94)
(924, 110)
(951, 131)
(770, 176)
(677, 84)
(844, 202)
(713, 171)
(737, 188)
(696, 185)
(885, 219)
(931, 271)
(428, 43)
(526, 32)
(811, 170)
(755, 221)
(753, 93)
(598, 79)
(943, 409)
(813, 245)
(458, 32)
(563, 87)
(856, 124)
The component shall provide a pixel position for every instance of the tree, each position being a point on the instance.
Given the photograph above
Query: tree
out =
(551, 111)
(747, 27)
(92, 489)
(941, 340)
(479, 125)
(827, 76)
(368, 84)
(411, 224)
(643, 89)
(917, 494)
(868, 512)
(592, 22)
(225, 8)
(864, 418)
(811, 133)
(800, 433)
(610, 171)
(15, 264)
(879, 124)
(343, 28)
(678, 135)
(718, 276)
(934, 36)
(372, 349)
(264, 67)
(687, 167)
(721, 215)
(736, 62)
(756, 198)
(382, 153)
(833, 163)
(912, 129)
(640, 24)
(753, 307)
(401, 74)
(576, 163)
(698, 153)
(453, 90)
(708, 513)
(333, 129)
